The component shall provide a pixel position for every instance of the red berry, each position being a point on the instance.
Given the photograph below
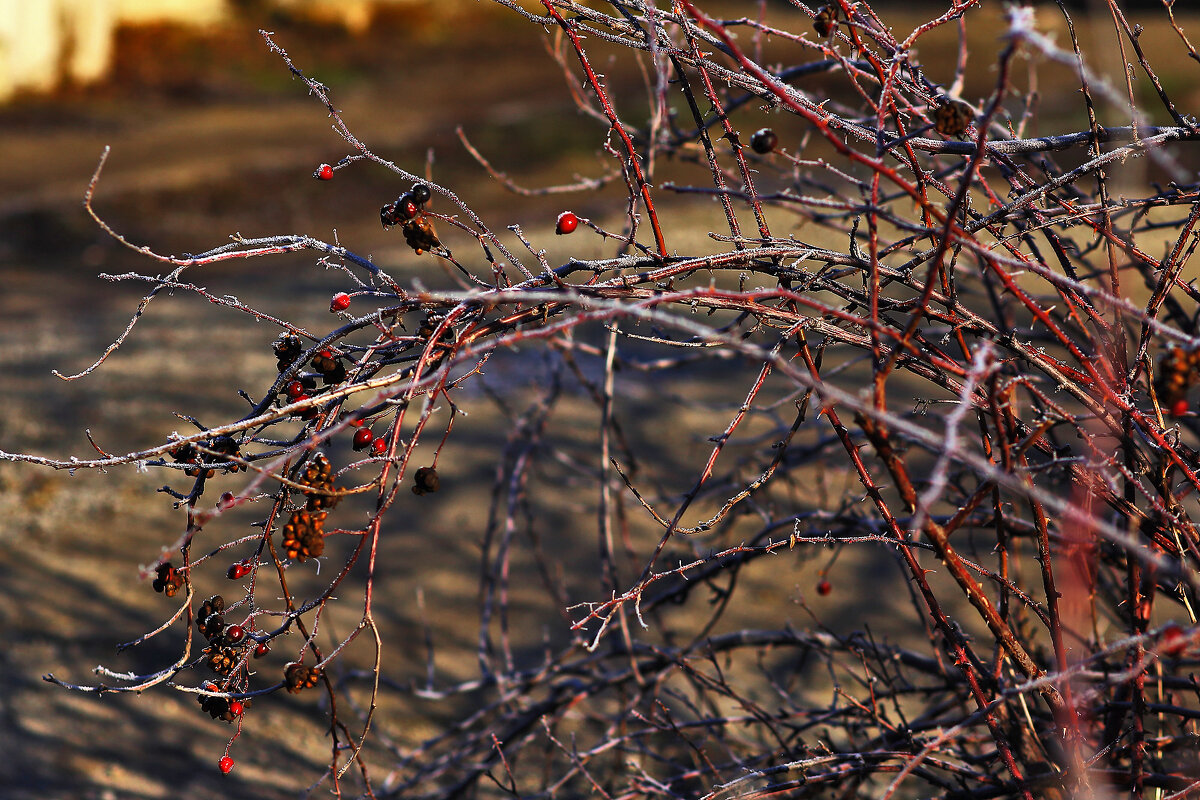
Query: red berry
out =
(1174, 641)
(824, 587)
(363, 438)
(226, 500)
(234, 634)
(567, 222)
(294, 390)
(340, 302)
(406, 207)
(238, 571)
(1179, 407)
(236, 708)
(261, 650)
(379, 446)
(226, 764)
(324, 173)
(208, 686)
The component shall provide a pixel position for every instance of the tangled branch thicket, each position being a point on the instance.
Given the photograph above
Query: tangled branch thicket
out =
(914, 328)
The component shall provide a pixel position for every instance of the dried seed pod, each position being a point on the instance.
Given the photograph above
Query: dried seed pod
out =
(317, 476)
(420, 235)
(221, 659)
(303, 535)
(299, 677)
(952, 117)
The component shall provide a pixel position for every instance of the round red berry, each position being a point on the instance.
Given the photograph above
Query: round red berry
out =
(567, 222)
(340, 302)
(236, 708)
(1173, 640)
(379, 446)
(234, 634)
(824, 588)
(226, 764)
(363, 438)
(261, 650)
(324, 173)
(406, 207)
(238, 571)
(294, 390)
(1179, 407)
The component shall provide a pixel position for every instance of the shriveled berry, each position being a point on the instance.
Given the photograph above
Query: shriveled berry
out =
(567, 223)
(287, 348)
(211, 626)
(339, 302)
(426, 480)
(420, 194)
(225, 764)
(420, 235)
(299, 677)
(363, 438)
(763, 140)
(324, 173)
(824, 588)
(952, 117)
(826, 20)
(388, 216)
(379, 446)
(168, 579)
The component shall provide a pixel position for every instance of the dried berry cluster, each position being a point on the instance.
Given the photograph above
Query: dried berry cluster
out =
(226, 645)
(299, 677)
(224, 449)
(1177, 372)
(287, 349)
(317, 477)
(408, 210)
(304, 534)
(222, 708)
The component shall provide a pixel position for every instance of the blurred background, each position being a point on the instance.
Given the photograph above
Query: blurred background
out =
(210, 135)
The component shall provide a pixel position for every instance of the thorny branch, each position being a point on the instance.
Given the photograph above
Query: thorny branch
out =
(908, 244)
